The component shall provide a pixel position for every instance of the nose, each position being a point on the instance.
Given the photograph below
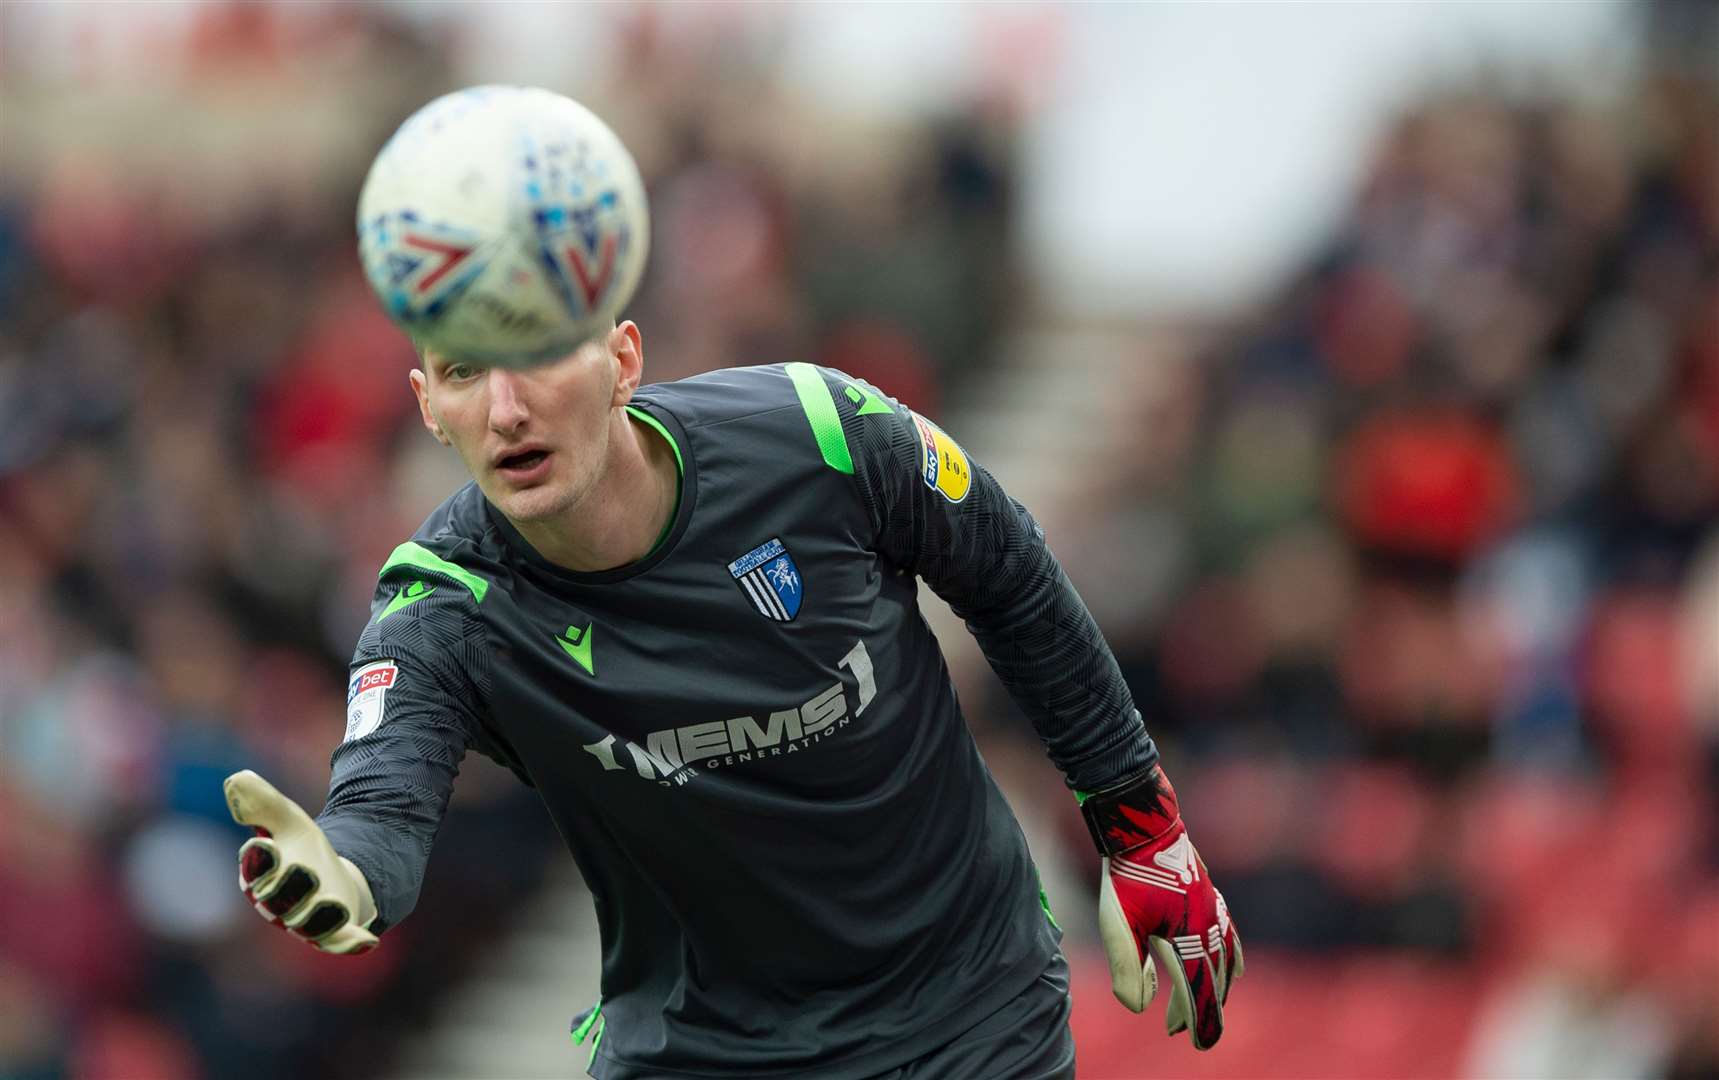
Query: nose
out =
(507, 412)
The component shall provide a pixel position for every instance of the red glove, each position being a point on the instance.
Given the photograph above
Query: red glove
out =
(1157, 899)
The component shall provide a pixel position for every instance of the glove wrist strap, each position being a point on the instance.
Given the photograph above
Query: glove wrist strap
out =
(1135, 812)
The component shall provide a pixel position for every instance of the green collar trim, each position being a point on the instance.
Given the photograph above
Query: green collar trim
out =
(647, 419)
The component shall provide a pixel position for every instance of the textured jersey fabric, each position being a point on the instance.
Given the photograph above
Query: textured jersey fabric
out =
(749, 739)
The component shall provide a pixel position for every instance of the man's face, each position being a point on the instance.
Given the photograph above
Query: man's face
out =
(535, 439)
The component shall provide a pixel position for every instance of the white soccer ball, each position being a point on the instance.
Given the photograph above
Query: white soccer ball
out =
(503, 225)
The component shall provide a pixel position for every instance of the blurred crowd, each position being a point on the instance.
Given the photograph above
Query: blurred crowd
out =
(208, 447)
(1414, 570)
(1424, 598)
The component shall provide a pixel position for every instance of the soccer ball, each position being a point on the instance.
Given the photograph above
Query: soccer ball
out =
(503, 225)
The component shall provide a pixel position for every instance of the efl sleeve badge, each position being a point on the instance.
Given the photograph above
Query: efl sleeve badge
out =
(943, 464)
(365, 695)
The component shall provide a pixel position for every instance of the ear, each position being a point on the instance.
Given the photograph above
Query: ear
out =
(421, 389)
(628, 351)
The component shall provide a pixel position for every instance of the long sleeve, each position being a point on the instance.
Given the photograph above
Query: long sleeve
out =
(413, 709)
(946, 519)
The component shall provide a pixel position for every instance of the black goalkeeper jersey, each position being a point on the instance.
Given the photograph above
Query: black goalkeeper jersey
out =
(749, 739)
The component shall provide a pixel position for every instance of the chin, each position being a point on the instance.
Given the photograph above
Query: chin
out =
(532, 505)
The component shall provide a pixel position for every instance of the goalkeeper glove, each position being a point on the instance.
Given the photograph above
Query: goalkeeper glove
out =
(1156, 899)
(292, 874)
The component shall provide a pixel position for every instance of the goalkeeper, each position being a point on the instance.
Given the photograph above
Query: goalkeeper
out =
(686, 614)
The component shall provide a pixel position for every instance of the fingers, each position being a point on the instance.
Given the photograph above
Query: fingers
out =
(1176, 1012)
(1219, 963)
(284, 901)
(287, 895)
(328, 926)
(277, 891)
(1132, 978)
(322, 920)
(289, 900)
(1196, 1003)
(257, 860)
(349, 940)
(254, 801)
(1229, 966)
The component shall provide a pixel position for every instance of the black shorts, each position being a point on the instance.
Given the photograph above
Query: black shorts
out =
(1027, 1039)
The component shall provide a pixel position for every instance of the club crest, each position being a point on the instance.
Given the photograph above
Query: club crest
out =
(770, 580)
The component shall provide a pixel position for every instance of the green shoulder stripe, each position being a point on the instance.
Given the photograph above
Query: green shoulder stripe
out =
(415, 554)
(820, 406)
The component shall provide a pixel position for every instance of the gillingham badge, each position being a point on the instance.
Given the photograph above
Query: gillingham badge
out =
(769, 578)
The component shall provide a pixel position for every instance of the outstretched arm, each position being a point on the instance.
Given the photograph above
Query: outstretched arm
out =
(414, 698)
(412, 712)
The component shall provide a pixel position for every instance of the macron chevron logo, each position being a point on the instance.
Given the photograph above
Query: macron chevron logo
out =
(577, 644)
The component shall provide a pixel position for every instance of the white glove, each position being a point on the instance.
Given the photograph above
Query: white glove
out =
(293, 875)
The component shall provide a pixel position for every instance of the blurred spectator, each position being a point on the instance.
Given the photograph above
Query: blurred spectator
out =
(1454, 606)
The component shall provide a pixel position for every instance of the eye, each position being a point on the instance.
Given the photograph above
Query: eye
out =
(458, 372)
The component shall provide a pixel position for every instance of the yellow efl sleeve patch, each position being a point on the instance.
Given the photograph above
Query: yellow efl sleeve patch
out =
(943, 464)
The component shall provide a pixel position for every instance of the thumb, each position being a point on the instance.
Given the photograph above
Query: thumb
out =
(1132, 978)
(254, 801)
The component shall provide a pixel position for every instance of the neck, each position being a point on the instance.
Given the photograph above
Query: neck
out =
(619, 520)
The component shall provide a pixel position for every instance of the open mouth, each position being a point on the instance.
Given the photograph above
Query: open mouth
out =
(525, 459)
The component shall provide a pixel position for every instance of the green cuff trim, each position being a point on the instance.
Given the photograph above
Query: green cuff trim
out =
(1080, 797)
(820, 406)
(584, 1028)
(602, 1026)
(415, 554)
(1044, 902)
